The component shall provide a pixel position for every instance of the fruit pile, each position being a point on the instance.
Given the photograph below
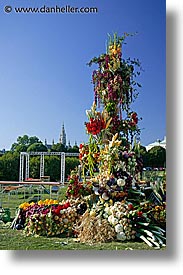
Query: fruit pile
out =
(47, 219)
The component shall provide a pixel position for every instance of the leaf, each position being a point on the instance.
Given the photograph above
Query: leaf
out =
(144, 223)
(154, 242)
(108, 123)
(160, 240)
(145, 240)
(158, 232)
(148, 233)
(158, 228)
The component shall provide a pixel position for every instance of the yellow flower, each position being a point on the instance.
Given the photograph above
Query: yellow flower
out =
(92, 213)
(40, 202)
(24, 205)
(111, 201)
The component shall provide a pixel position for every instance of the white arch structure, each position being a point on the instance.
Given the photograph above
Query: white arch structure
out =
(26, 156)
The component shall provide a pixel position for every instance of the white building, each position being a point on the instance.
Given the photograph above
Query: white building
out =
(157, 143)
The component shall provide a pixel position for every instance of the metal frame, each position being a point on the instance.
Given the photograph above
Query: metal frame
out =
(26, 156)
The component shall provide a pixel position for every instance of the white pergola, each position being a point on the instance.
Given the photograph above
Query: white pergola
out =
(25, 157)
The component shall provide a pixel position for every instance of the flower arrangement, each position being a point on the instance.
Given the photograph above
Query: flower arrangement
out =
(112, 130)
(109, 204)
(77, 189)
(49, 217)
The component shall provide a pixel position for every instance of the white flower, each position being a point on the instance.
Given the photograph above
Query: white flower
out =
(114, 221)
(120, 182)
(105, 196)
(121, 236)
(118, 228)
(95, 189)
(88, 113)
(108, 210)
(105, 215)
(118, 214)
(110, 219)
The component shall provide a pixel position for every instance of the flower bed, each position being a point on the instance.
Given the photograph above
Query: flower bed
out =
(47, 218)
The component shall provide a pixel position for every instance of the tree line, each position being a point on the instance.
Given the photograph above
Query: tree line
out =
(9, 161)
(154, 158)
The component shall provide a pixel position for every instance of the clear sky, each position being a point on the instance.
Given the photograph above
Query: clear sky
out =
(44, 79)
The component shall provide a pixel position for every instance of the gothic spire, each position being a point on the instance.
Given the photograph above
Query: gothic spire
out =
(62, 139)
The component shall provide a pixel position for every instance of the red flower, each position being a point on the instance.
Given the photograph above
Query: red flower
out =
(94, 126)
(130, 206)
(139, 213)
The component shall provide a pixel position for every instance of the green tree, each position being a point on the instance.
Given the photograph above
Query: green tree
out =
(35, 167)
(37, 147)
(74, 149)
(23, 142)
(70, 164)
(156, 157)
(9, 166)
(52, 167)
(58, 147)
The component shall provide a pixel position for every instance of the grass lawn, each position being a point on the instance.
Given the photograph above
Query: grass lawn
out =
(15, 240)
(25, 194)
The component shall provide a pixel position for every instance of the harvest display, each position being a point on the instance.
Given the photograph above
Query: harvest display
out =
(109, 201)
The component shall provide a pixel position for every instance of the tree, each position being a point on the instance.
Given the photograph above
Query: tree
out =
(9, 166)
(23, 142)
(52, 167)
(156, 157)
(35, 167)
(37, 147)
(70, 164)
(58, 147)
(74, 149)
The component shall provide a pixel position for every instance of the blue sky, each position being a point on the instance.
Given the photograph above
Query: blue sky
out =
(44, 79)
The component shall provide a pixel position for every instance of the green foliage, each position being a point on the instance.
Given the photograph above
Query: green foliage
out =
(74, 149)
(9, 166)
(35, 167)
(70, 164)
(52, 167)
(156, 157)
(23, 142)
(58, 147)
(37, 147)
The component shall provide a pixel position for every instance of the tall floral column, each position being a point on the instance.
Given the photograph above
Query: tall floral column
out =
(113, 125)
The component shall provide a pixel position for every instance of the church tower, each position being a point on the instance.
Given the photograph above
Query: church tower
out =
(62, 138)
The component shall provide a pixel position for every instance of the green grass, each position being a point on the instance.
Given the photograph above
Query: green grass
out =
(154, 175)
(16, 240)
(12, 201)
